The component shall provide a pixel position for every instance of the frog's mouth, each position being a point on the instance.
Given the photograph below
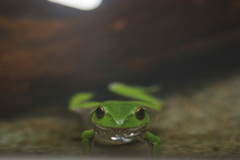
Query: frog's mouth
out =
(119, 135)
(120, 129)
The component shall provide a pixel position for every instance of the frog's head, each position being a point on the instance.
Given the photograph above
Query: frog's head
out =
(120, 114)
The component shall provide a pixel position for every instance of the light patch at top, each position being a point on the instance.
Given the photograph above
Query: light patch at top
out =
(79, 4)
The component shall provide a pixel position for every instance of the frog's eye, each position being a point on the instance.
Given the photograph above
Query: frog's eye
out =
(100, 112)
(140, 113)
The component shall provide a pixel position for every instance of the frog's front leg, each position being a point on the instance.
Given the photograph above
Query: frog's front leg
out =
(154, 143)
(87, 141)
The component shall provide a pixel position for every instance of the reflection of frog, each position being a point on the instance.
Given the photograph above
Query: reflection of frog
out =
(118, 122)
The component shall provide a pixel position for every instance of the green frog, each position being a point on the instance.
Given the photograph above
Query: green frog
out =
(119, 122)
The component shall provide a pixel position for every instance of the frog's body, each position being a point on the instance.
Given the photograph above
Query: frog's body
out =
(118, 122)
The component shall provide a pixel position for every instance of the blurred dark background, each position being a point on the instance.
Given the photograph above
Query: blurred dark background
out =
(49, 51)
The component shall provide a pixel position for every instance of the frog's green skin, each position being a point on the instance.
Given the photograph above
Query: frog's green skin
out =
(117, 122)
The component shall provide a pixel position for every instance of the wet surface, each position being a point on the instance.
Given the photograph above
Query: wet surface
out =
(197, 123)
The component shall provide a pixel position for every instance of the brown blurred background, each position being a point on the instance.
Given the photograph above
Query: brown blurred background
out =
(49, 51)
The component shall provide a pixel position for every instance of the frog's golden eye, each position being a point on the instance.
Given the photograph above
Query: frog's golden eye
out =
(100, 112)
(140, 113)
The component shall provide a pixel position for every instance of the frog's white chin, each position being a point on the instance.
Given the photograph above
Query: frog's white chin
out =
(112, 142)
(115, 136)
